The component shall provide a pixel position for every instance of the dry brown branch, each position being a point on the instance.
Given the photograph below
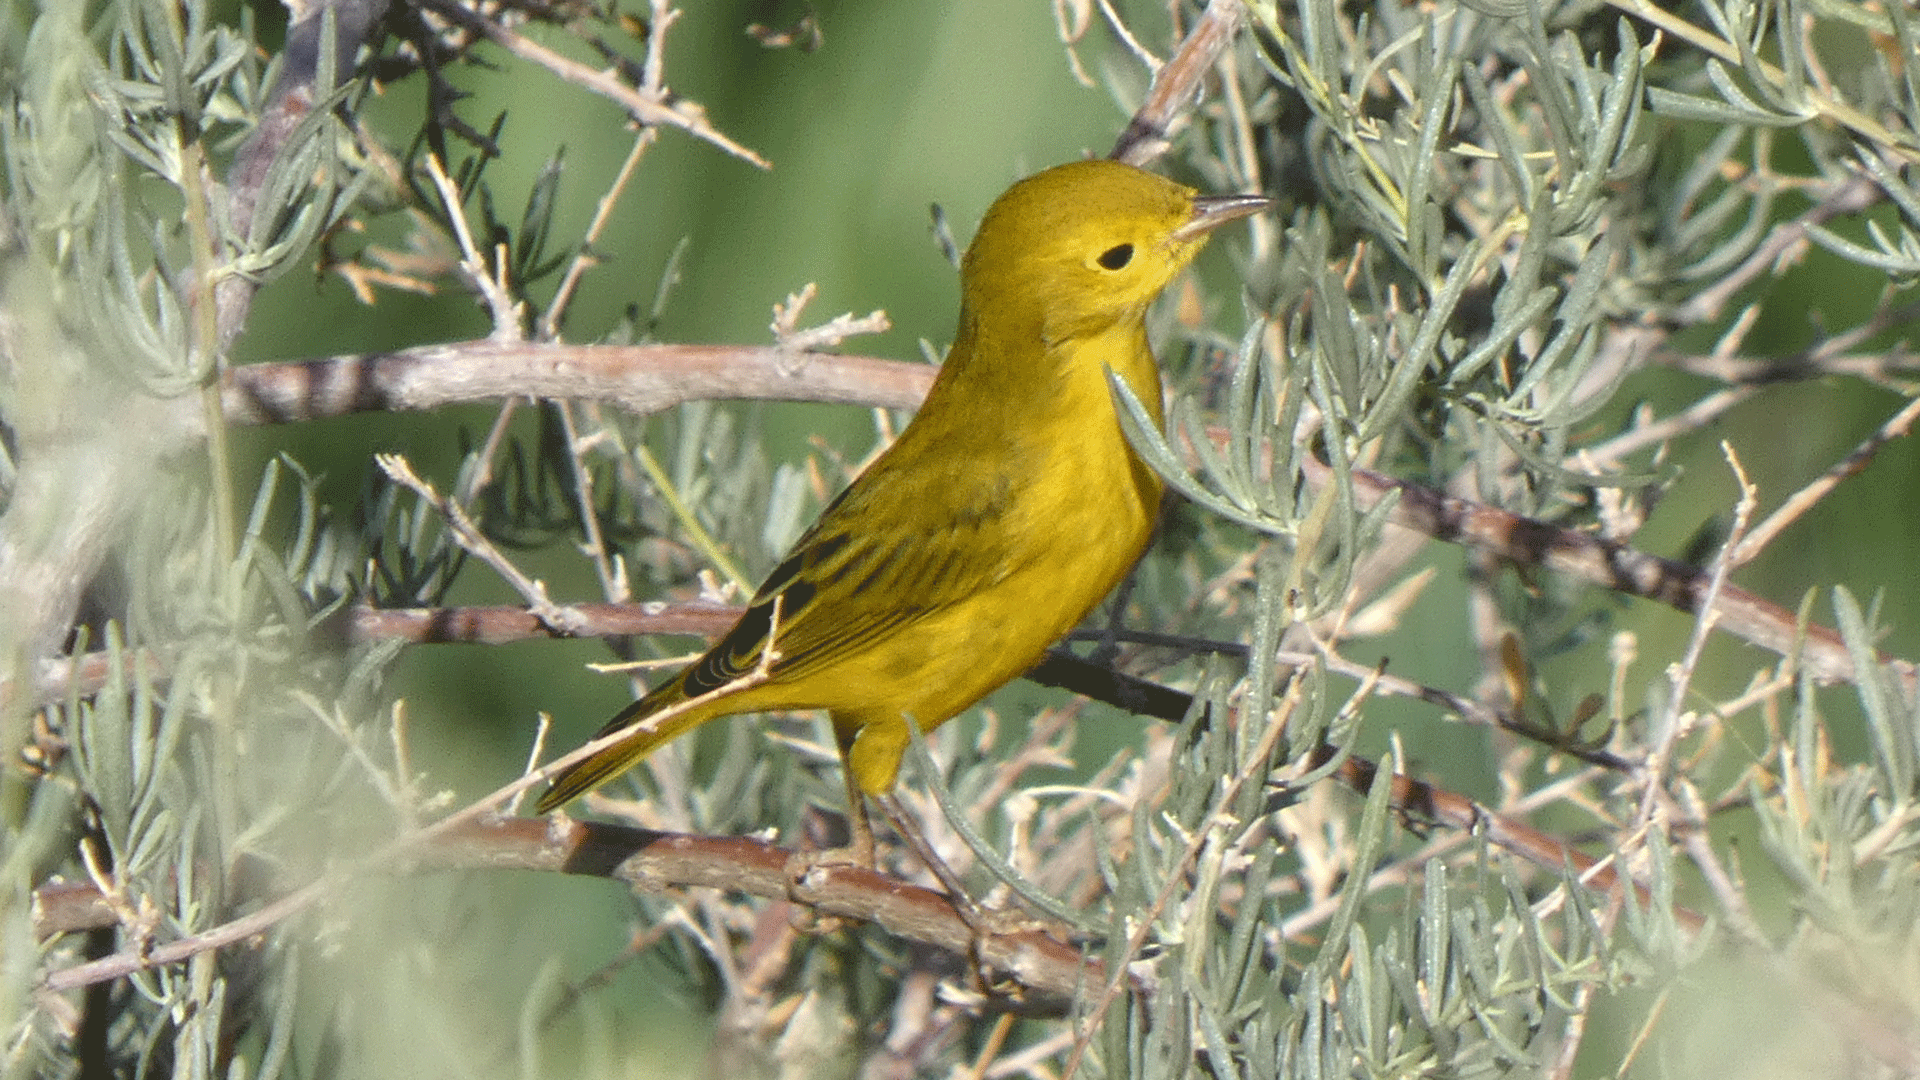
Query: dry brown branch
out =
(1613, 565)
(654, 862)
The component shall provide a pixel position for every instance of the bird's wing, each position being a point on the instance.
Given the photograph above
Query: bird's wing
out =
(878, 559)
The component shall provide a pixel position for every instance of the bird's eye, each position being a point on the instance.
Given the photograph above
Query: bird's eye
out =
(1116, 257)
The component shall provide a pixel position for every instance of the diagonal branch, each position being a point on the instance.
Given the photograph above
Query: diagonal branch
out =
(1616, 566)
(654, 109)
(1177, 84)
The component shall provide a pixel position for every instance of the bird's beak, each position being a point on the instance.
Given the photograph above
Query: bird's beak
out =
(1212, 211)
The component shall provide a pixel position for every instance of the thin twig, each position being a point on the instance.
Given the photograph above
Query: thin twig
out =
(585, 257)
(474, 542)
(491, 284)
(647, 107)
(1672, 724)
(481, 474)
(1896, 427)
(1140, 52)
(1694, 417)
(1688, 811)
(613, 583)
(789, 335)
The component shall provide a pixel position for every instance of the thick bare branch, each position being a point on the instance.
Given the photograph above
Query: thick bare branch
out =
(643, 378)
(1045, 967)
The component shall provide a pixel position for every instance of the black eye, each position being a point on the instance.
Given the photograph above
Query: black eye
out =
(1116, 257)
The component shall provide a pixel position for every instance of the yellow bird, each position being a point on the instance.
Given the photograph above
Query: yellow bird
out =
(1003, 513)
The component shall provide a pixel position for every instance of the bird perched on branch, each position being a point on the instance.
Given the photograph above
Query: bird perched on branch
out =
(1003, 513)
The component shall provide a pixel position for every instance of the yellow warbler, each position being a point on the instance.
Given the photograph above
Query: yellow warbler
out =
(1008, 508)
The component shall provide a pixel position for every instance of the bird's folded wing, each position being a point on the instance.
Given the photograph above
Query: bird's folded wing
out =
(872, 565)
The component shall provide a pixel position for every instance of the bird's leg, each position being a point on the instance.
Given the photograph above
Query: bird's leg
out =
(859, 851)
(1108, 648)
(858, 824)
(871, 751)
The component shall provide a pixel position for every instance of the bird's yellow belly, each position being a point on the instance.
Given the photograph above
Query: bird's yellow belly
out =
(952, 658)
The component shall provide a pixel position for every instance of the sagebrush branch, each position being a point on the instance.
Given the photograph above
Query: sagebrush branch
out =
(1037, 963)
(642, 378)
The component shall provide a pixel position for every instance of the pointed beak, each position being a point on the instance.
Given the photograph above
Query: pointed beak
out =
(1212, 211)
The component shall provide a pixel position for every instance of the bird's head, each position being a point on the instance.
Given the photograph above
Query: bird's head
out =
(1085, 245)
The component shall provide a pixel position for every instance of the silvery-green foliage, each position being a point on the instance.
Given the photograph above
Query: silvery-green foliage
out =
(1479, 199)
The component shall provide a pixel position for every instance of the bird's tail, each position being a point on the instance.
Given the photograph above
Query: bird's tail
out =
(646, 734)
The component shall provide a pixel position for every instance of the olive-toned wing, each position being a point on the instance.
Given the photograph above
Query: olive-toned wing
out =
(872, 565)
